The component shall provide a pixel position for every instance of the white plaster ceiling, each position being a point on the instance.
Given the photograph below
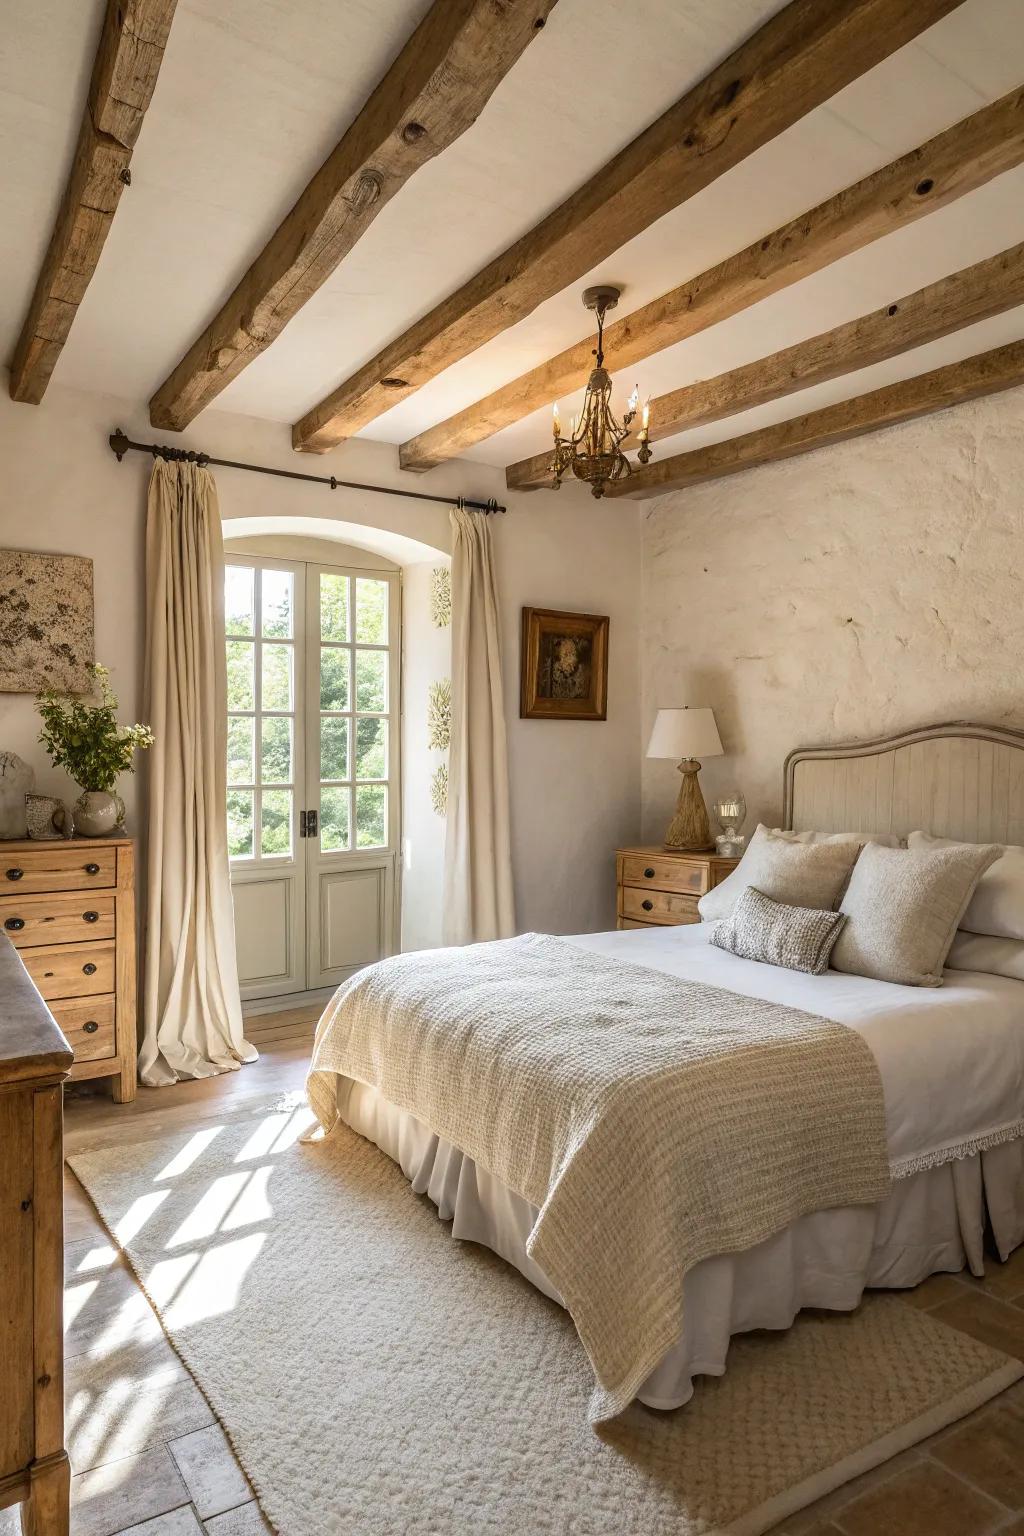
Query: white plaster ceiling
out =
(254, 93)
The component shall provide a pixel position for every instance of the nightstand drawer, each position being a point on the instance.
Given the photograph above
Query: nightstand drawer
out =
(658, 906)
(669, 874)
(71, 970)
(88, 1024)
(62, 868)
(57, 918)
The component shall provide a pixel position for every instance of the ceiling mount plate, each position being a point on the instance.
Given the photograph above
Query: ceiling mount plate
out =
(601, 298)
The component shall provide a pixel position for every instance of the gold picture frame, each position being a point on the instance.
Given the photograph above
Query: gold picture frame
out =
(563, 665)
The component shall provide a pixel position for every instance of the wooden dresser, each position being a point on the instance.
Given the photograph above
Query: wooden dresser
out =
(69, 907)
(656, 887)
(34, 1060)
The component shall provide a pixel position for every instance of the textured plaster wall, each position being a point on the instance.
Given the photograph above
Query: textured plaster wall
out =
(867, 587)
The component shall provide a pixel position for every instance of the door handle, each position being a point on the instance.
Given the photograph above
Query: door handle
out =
(311, 823)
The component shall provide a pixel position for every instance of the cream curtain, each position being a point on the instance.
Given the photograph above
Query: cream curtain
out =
(478, 900)
(192, 1016)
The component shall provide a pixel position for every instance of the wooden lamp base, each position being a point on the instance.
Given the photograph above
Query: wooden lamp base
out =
(689, 831)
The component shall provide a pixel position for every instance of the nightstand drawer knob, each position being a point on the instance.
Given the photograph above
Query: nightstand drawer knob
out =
(648, 906)
(90, 917)
(648, 873)
(88, 969)
(92, 869)
(91, 1027)
(14, 923)
(15, 874)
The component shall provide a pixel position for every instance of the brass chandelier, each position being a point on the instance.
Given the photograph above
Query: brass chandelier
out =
(593, 449)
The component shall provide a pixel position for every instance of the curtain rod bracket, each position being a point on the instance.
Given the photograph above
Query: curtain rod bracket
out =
(120, 444)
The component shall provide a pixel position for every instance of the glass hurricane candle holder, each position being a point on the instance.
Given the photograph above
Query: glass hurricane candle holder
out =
(731, 812)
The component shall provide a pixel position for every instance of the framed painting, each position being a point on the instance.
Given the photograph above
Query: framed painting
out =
(46, 622)
(563, 666)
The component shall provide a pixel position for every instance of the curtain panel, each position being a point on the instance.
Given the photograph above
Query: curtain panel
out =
(478, 897)
(192, 1015)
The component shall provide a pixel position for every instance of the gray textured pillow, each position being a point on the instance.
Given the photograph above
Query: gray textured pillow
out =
(798, 874)
(761, 929)
(904, 905)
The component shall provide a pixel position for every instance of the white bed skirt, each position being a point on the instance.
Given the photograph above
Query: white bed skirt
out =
(932, 1221)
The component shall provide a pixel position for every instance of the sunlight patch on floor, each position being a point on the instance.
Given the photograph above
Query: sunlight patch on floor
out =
(213, 1288)
(193, 1148)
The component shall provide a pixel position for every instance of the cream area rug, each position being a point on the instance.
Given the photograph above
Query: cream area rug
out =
(378, 1378)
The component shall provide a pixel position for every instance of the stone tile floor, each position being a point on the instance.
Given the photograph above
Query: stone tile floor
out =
(149, 1458)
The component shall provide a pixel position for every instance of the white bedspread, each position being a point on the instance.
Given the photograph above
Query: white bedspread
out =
(951, 1058)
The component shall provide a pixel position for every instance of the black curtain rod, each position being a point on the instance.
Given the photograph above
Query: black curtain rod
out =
(120, 445)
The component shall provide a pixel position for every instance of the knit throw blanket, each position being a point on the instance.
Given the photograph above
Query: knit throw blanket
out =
(654, 1122)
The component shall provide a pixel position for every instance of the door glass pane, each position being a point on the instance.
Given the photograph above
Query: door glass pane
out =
(371, 749)
(333, 678)
(333, 748)
(371, 815)
(277, 677)
(276, 754)
(277, 604)
(240, 675)
(240, 823)
(240, 753)
(372, 680)
(276, 821)
(333, 607)
(371, 611)
(334, 809)
(238, 589)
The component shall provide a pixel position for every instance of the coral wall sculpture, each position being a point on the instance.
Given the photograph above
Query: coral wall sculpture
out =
(439, 715)
(441, 596)
(439, 789)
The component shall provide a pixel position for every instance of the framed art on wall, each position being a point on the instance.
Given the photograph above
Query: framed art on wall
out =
(563, 665)
(46, 622)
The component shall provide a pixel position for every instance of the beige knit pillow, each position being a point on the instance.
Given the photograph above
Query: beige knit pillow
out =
(797, 874)
(903, 906)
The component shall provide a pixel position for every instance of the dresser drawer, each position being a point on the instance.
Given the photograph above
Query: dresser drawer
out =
(61, 868)
(670, 874)
(88, 1024)
(653, 906)
(71, 970)
(57, 918)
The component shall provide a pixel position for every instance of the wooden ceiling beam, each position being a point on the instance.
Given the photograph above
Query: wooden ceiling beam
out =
(985, 374)
(990, 287)
(953, 163)
(436, 89)
(124, 76)
(799, 59)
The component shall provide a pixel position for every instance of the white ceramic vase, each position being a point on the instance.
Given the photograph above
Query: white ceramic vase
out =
(98, 813)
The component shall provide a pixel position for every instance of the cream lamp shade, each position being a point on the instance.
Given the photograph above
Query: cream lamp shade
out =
(687, 735)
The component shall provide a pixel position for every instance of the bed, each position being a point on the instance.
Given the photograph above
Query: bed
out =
(950, 1061)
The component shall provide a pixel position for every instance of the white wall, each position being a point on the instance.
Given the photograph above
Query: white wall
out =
(575, 786)
(854, 591)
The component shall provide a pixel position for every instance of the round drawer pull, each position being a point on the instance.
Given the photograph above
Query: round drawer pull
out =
(648, 906)
(14, 923)
(92, 869)
(88, 969)
(90, 1028)
(90, 917)
(15, 874)
(648, 873)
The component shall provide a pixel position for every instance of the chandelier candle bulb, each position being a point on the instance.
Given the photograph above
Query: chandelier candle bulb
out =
(557, 422)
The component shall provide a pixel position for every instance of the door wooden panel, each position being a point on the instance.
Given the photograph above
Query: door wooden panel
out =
(265, 932)
(352, 927)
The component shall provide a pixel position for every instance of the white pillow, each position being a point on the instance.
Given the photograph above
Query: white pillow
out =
(997, 906)
(979, 952)
(798, 874)
(903, 906)
(885, 839)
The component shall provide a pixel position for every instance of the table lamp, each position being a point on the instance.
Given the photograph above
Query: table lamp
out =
(687, 734)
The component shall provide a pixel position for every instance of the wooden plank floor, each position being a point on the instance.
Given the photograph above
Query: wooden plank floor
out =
(149, 1458)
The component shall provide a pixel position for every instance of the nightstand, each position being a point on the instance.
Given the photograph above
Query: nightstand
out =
(656, 888)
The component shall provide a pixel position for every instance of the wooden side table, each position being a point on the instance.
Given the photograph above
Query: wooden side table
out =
(658, 888)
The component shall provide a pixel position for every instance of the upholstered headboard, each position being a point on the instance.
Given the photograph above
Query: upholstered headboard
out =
(958, 780)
